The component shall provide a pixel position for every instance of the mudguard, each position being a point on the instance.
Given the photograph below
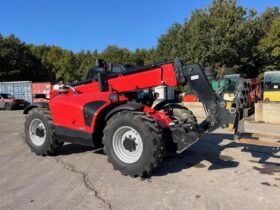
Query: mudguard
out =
(36, 105)
(132, 106)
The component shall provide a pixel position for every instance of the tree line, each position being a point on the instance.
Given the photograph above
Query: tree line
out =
(224, 36)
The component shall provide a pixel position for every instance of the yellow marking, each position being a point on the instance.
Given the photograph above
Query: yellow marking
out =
(228, 105)
(230, 127)
(271, 95)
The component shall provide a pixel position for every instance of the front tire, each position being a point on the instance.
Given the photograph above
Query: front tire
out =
(133, 142)
(8, 106)
(39, 132)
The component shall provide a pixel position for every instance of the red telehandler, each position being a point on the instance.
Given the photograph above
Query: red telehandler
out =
(105, 111)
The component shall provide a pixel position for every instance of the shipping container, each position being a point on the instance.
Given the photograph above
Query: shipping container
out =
(20, 89)
(41, 87)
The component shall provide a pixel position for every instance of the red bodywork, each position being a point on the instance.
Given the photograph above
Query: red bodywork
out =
(190, 98)
(67, 108)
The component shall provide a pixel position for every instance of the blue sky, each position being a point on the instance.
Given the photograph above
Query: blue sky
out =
(94, 24)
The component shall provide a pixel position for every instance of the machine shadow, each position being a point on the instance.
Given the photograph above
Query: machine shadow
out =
(69, 149)
(209, 148)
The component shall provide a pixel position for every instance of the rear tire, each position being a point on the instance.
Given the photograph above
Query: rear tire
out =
(39, 132)
(133, 142)
(8, 106)
(182, 114)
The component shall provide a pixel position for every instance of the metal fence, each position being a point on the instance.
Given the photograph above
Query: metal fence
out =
(20, 90)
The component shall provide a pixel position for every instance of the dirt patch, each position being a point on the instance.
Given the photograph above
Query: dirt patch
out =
(266, 183)
(268, 169)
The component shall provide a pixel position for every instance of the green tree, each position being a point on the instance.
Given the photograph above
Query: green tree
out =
(224, 36)
(50, 56)
(269, 47)
(18, 63)
(68, 68)
(85, 61)
(169, 44)
(114, 54)
(196, 38)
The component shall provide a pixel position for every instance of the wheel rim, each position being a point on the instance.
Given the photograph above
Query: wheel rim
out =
(37, 132)
(8, 106)
(127, 144)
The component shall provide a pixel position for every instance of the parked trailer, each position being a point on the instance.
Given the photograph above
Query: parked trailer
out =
(19, 89)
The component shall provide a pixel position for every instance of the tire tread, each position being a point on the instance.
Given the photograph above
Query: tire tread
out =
(54, 146)
(156, 136)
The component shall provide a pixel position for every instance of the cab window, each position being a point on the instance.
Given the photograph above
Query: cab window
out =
(272, 81)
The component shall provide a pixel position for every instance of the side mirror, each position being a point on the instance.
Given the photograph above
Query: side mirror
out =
(103, 81)
(40, 95)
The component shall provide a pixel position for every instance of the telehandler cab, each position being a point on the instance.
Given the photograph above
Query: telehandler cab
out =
(105, 111)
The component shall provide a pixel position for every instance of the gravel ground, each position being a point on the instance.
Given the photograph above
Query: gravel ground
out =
(215, 173)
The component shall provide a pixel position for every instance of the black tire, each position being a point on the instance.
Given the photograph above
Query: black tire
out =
(50, 145)
(8, 106)
(151, 135)
(180, 113)
(184, 114)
